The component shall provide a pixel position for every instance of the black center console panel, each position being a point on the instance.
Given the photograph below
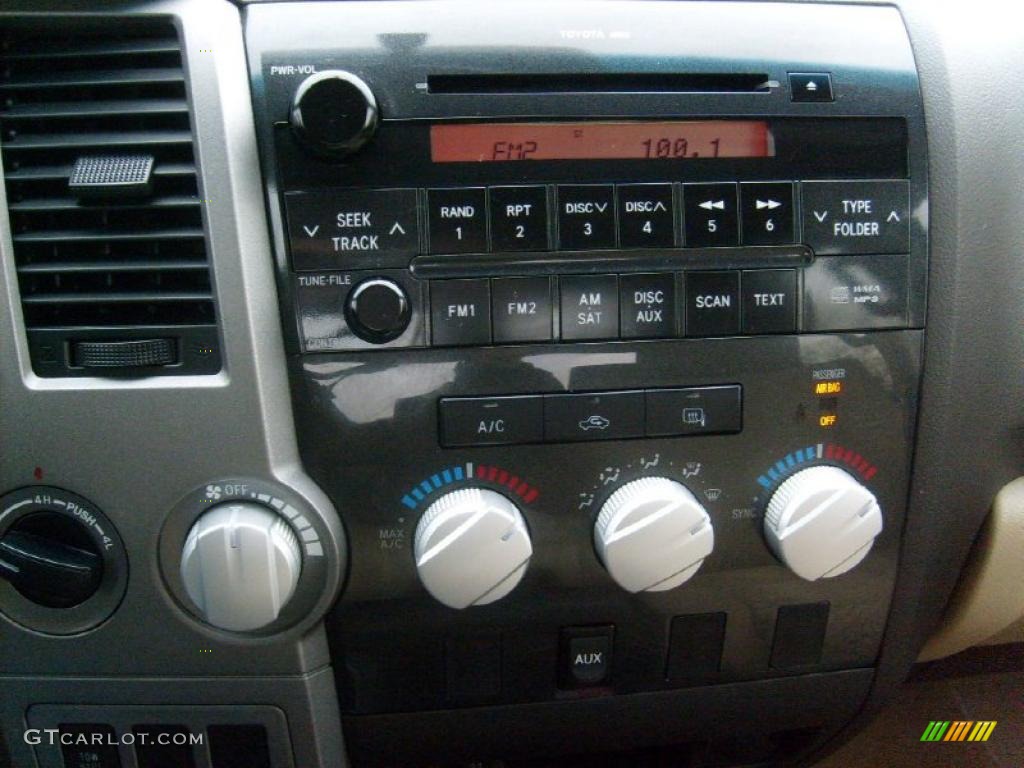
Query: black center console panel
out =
(482, 296)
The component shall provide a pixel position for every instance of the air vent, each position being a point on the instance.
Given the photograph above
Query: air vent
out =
(103, 196)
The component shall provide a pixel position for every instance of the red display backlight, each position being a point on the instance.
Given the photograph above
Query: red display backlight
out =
(624, 140)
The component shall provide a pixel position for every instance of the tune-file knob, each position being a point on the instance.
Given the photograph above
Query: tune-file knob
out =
(652, 534)
(240, 565)
(471, 547)
(821, 522)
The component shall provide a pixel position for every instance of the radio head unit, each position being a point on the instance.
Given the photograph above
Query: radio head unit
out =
(584, 322)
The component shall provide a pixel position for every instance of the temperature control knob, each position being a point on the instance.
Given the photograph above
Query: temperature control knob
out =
(821, 522)
(652, 534)
(471, 547)
(334, 113)
(240, 565)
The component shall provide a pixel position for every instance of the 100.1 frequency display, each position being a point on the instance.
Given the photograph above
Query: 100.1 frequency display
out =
(620, 140)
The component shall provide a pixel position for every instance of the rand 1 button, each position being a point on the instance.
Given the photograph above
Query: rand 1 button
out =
(519, 218)
(769, 301)
(842, 217)
(586, 217)
(460, 312)
(647, 306)
(521, 308)
(589, 307)
(694, 411)
(602, 416)
(712, 303)
(709, 215)
(767, 212)
(855, 293)
(457, 220)
(646, 216)
(467, 421)
(352, 228)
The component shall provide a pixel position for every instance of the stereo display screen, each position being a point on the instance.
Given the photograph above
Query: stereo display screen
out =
(606, 140)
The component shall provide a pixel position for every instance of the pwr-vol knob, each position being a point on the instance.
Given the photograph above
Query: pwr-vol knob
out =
(471, 547)
(240, 565)
(652, 534)
(334, 113)
(821, 522)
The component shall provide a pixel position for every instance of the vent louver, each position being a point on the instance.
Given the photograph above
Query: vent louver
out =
(104, 266)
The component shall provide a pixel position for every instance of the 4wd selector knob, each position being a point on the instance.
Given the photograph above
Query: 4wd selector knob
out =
(471, 547)
(821, 522)
(240, 565)
(334, 113)
(652, 534)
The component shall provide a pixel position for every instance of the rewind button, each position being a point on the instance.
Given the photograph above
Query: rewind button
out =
(709, 215)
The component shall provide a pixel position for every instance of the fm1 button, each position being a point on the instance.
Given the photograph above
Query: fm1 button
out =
(767, 213)
(589, 307)
(645, 216)
(586, 217)
(491, 421)
(586, 656)
(709, 215)
(519, 218)
(521, 307)
(769, 301)
(647, 306)
(458, 220)
(712, 303)
(460, 312)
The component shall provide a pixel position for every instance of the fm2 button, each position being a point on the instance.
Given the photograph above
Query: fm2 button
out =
(521, 307)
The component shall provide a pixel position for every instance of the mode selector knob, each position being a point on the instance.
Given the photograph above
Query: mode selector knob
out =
(240, 565)
(821, 522)
(471, 547)
(334, 113)
(652, 534)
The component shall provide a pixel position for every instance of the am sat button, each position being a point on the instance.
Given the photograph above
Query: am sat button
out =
(603, 416)
(694, 411)
(469, 421)
(589, 307)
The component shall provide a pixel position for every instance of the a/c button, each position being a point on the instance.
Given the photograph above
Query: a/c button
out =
(491, 420)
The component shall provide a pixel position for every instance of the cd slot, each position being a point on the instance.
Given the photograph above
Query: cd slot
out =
(594, 262)
(599, 82)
